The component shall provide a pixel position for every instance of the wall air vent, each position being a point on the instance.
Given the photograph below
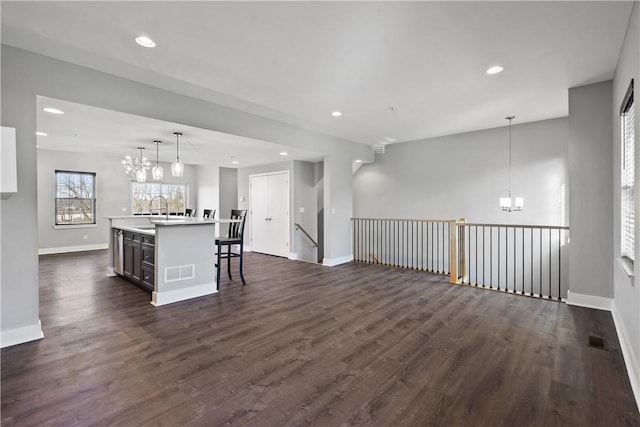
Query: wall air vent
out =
(379, 149)
(179, 272)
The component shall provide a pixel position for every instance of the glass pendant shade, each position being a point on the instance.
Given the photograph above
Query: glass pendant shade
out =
(177, 168)
(157, 172)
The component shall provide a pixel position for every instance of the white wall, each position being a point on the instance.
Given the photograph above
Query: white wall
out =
(464, 175)
(626, 295)
(591, 202)
(113, 193)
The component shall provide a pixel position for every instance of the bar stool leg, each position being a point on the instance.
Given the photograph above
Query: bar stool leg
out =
(229, 262)
(218, 265)
(241, 259)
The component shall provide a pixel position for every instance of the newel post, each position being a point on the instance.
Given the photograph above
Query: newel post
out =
(457, 258)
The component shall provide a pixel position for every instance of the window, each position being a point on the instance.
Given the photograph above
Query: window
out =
(143, 192)
(627, 197)
(75, 198)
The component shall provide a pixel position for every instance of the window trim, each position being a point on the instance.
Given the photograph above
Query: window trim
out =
(56, 224)
(627, 260)
(133, 183)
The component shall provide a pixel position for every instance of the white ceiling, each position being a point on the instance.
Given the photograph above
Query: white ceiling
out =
(298, 61)
(94, 130)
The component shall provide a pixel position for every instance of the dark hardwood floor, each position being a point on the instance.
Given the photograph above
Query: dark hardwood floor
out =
(304, 344)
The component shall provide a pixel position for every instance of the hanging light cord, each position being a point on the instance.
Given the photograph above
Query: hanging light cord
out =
(510, 118)
(177, 151)
(157, 144)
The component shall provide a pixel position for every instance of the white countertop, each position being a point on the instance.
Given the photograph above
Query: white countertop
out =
(148, 228)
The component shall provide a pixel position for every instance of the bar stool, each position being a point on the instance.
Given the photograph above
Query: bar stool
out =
(234, 237)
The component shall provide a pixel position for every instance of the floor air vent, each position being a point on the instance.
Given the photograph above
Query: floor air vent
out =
(596, 342)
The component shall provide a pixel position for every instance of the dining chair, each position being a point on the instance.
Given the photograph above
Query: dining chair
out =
(235, 236)
(209, 213)
(189, 212)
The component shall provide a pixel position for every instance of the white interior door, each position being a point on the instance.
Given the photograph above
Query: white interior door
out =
(270, 214)
(260, 213)
(279, 214)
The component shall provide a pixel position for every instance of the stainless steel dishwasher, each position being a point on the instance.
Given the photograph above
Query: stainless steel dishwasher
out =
(118, 251)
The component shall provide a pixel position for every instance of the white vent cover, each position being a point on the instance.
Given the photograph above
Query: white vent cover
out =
(179, 272)
(379, 149)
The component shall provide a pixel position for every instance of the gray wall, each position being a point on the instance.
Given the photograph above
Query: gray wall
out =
(464, 175)
(113, 193)
(207, 178)
(228, 191)
(26, 75)
(626, 295)
(591, 206)
(305, 211)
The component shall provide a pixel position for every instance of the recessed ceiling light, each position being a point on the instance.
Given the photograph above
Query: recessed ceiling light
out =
(495, 69)
(41, 134)
(52, 110)
(358, 161)
(145, 41)
(284, 153)
(235, 162)
(336, 114)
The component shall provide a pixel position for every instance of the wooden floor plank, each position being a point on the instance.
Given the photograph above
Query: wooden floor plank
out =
(303, 344)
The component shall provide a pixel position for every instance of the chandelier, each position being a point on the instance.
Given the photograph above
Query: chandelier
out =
(136, 166)
(511, 204)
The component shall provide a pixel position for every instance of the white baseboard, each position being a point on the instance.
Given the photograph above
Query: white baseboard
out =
(67, 249)
(21, 335)
(293, 256)
(330, 262)
(630, 360)
(169, 297)
(589, 301)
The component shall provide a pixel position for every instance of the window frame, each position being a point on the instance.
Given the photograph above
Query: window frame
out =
(185, 189)
(627, 180)
(93, 200)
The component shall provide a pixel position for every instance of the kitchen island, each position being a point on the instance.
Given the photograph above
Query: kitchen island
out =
(172, 257)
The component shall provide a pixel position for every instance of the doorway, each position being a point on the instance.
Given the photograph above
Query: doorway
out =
(270, 213)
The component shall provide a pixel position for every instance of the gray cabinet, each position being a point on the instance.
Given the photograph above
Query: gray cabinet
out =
(139, 259)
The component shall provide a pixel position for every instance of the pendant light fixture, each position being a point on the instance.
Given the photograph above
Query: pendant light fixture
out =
(510, 204)
(157, 172)
(177, 168)
(136, 166)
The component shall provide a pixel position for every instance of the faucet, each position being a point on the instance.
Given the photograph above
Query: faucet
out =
(165, 203)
